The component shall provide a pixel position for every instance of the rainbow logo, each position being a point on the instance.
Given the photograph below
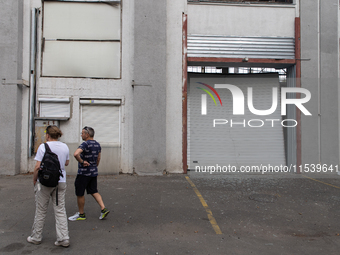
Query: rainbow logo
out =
(209, 93)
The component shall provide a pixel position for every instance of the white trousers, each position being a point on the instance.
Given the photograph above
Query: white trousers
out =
(42, 198)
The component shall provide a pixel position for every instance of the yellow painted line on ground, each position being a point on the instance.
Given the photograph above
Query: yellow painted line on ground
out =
(322, 182)
(210, 216)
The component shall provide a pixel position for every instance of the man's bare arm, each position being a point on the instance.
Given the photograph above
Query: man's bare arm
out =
(98, 159)
(78, 158)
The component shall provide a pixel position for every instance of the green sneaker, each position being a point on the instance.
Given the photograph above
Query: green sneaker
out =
(104, 213)
(77, 216)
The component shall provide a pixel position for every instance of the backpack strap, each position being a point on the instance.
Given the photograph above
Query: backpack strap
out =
(47, 147)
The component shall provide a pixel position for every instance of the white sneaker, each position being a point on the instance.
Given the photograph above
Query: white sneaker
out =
(64, 243)
(30, 240)
(103, 213)
(77, 216)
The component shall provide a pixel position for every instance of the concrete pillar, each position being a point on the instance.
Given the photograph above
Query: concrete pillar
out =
(149, 117)
(319, 74)
(11, 38)
(174, 73)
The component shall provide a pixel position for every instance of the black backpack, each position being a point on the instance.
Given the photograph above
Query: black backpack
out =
(50, 170)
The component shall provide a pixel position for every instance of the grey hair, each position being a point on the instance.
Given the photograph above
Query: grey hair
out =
(89, 130)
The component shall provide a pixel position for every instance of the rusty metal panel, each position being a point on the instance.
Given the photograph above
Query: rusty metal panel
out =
(291, 147)
(213, 46)
(298, 84)
(40, 127)
(184, 93)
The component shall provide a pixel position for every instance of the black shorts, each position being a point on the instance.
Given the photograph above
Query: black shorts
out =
(87, 183)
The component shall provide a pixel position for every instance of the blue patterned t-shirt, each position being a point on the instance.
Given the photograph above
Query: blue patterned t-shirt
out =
(91, 149)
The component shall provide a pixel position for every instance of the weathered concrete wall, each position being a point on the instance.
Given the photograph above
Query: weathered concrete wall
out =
(320, 44)
(149, 117)
(78, 88)
(241, 20)
(151, 128)
(174, 153)
(11, 13)
(329, 82)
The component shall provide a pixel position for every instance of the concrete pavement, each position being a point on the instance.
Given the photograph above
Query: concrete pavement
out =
(256, 214)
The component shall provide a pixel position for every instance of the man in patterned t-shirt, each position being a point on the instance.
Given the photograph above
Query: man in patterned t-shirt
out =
(88, 157)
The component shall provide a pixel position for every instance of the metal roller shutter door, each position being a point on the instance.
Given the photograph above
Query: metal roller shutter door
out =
(105, 121)
(104, 117)
(236, 146)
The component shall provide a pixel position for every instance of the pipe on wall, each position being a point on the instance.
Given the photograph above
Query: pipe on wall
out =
(34, 18)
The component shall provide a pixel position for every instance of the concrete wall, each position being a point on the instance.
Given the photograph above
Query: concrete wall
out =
(174, 153)
(78, 88)
(11, 32)
(320, 48)
(143, 128)
(149, 111)
(151, 125)
(241, 20)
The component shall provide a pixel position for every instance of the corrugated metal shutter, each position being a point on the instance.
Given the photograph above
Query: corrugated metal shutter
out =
(241, 47)
(237, 145)
(54, 107)
(105, 121)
